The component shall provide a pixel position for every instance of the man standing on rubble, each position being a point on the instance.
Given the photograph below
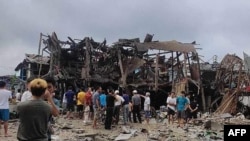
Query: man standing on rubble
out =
(70, 94)
(5, 96)
(96, 105)
(118, 103)
(80, 103)
(18, 95)
(181, 102)
(136, 102)
(110, 101)
(187, 110)
(125, 107)
(193, 107)
(147, 106)
(171, 104)
(88, 106)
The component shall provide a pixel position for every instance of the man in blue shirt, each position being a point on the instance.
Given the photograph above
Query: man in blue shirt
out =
(125, 107)
(71, 97)
(96, 105)
(181, 103)
(103, 100)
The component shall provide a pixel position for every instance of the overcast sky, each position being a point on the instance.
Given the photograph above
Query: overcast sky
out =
(219, 26)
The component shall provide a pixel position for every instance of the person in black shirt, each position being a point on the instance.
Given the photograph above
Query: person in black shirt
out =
(193, 109)
(110, 101)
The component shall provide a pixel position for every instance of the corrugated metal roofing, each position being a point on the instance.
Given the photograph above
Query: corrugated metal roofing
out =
(33, 58)
(167, 46)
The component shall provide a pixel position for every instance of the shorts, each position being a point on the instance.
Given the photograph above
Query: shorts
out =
(79, 108)
(64, 106)
(4, 114)
(91, 109)
(181, 114)
(147, 114)
(71, 107)
(96, 113)
(171, 111)
(86, 109)
(192, 115)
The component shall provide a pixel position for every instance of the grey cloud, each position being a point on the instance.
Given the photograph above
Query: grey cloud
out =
(220, 27)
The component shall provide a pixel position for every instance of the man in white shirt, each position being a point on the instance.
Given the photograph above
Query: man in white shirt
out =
(187, 111)
(64, 103)
(147, 106)
(118, 103)
(5, 96)
(171, 105)
(27, 95)
(18, 95)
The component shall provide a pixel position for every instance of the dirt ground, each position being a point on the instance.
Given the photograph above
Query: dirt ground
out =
(68, 130)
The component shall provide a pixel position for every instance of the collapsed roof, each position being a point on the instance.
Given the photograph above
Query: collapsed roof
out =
(127, 62)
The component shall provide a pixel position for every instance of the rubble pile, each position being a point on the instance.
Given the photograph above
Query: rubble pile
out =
(228, 103)
(209, 127)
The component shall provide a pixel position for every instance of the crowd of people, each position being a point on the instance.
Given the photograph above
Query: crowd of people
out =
(182, 108)
(37, 106)
(92, 105)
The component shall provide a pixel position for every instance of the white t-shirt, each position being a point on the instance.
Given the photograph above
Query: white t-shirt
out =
(119, 100)
(171, 100)
(18, 96)
(64, 98)
(5, 95)
(188, 100)
(147, 104)
(26, 96)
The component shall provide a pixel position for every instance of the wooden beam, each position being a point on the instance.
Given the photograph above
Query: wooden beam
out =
(156, 72)
(159, 53)
(201, 87)
(124, 76)
(87, 60)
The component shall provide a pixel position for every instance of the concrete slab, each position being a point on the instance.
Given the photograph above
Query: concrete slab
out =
(123, 137)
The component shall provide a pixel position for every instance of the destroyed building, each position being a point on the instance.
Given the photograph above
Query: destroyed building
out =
(230, 87)
(155, 66)
(128, 63)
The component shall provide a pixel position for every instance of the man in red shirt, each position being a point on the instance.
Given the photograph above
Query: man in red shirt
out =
(88, 105)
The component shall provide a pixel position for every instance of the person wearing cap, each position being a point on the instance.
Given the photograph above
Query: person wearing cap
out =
(136, 102)
(147, 106)
(33, 122)
(118, 103)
